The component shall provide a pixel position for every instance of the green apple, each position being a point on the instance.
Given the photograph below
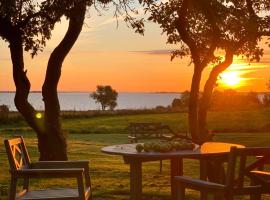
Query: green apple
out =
(139, 147)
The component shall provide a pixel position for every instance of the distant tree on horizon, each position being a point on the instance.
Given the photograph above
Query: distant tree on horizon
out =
(106, 96)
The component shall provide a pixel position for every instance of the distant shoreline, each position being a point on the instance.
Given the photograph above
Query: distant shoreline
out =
(93, 91)
(262, 92)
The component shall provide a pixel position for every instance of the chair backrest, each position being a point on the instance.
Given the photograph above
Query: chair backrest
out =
(237, 164)
(17, 153)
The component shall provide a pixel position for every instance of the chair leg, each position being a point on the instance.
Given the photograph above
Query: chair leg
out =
(12, 189)
(180, 192)
(26, 184)
(255, 197)
(81, 188)
(203, 195)
(228, 196)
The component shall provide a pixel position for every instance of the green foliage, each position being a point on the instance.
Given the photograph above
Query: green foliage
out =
(245, 120)
(106, 96)
(203, 26)
(4, 112)
(176, 103)
(183, 102)
(34, 20)
(232, 100)
(185, 96)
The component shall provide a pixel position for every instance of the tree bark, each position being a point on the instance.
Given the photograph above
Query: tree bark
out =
(54, 141)
(194, 105)
(23, 87)
(207, 95)
(51, 139)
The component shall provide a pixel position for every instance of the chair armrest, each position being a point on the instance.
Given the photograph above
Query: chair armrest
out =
(60, 164)
(65, 165)
(198, 184)
(260, 176)
(50, 173)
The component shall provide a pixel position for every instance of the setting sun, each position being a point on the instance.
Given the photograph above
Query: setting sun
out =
(230, 78)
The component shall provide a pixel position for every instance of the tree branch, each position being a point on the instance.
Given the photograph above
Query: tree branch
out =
(53, 73)
(6, 32)
(208, 12)
(181, 26)
(25, 22)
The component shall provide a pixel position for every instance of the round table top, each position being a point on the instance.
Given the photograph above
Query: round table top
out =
(205, 150)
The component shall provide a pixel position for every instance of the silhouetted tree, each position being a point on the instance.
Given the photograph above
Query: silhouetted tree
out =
(211, 32)
(26, 25)
(185, 96)
(176, 103)
(106, 96)
(4, 112)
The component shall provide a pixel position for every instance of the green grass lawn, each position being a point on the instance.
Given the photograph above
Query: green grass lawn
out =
(110, 176)
(257, 120)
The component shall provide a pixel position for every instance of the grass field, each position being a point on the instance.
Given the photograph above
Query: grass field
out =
(110, 176)
(257, 120)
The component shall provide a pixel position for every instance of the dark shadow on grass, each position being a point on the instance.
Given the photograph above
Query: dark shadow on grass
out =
(125, 195)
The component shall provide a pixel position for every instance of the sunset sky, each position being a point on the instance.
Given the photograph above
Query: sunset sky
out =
(105, 54)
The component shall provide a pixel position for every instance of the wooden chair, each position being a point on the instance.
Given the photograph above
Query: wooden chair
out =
(22, 168)
(234, 182)
(260, 175)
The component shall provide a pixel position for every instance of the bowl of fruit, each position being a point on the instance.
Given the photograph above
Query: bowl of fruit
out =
(165, 146)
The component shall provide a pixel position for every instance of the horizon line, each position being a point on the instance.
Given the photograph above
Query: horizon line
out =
(75, 91)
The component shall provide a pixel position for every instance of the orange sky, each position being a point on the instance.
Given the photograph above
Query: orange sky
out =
(127, 61)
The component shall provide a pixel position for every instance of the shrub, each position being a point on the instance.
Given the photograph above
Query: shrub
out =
(4, 112)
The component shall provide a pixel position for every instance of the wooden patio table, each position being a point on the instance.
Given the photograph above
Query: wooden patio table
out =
(215, 151)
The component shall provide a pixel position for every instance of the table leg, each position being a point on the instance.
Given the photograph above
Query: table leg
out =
(203, 176)
(176, 170)
(135, 179)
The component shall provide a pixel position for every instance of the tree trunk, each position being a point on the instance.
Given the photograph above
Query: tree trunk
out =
(51, 139)
(204, 107)
(194, 104)
(207, 95)
(55, 147)
(23, 87)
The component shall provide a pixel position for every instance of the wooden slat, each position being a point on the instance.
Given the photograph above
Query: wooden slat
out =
(50, 173)
(261, 177)
(52, 194)
(200, 185)
(15, 141)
